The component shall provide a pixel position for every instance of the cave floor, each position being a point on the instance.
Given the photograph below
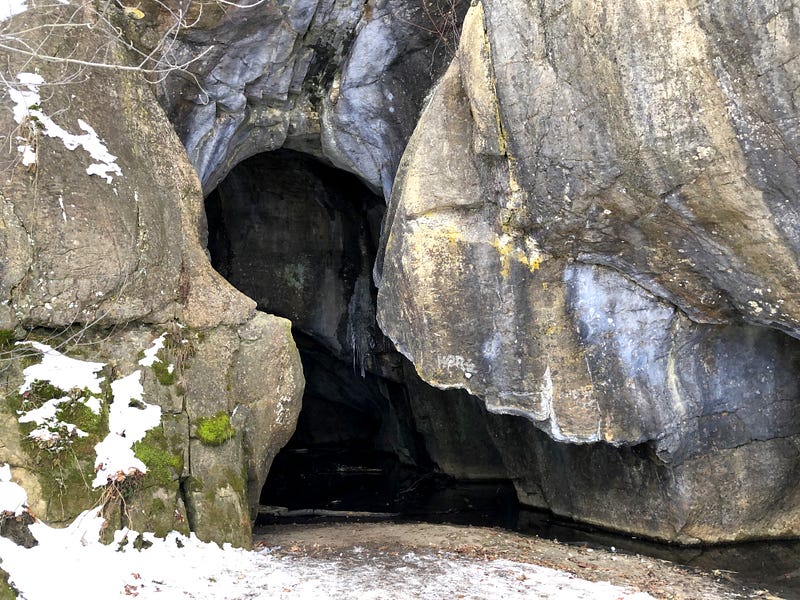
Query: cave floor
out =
(358, 543)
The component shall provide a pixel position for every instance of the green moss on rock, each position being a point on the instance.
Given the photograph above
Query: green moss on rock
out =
(7, 592)
(216, 430)
(41, 392)
(80, 415)
(164, 463)
(65, 466)
(165, 372)
(66, 481)
(7, 339)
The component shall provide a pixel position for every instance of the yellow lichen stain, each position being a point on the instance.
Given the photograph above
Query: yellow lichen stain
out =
(452, 234)
(509, 250)
(132, 12)
(486, 52)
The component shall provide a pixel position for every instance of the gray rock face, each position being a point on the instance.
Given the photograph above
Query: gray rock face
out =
(341, 80)
(660, 141)
(100, 228)
(593, 230)
(299, 237)
(598, 251)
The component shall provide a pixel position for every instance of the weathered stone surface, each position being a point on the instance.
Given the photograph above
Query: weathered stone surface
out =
(266, 420)
(588, 252)
(670, 147)
(338, 79)
(251, 375)
(730, 494)
(97, 250)
(111, 247)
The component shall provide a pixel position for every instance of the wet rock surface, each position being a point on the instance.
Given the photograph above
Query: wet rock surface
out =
(341, 80)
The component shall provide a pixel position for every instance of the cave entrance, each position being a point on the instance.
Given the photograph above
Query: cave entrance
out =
(355, 448)
(299, 237)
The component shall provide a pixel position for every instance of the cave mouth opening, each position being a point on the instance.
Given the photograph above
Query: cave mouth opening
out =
(300, 237)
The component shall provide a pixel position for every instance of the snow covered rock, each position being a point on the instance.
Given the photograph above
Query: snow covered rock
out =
(102, 243)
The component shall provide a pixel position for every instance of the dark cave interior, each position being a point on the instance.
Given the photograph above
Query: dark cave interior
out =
(299, 237)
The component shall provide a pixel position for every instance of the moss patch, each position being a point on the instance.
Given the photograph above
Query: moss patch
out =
(216, 430)
(71, 411)
(165, 372)
(77, 413)
(64, 466)
(41, 392)
(6, 591)
(7, 339)
(164, 464)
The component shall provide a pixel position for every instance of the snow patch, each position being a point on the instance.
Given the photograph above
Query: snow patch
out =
(64, 373)
(150, 354)
(61, 371)
(28, 153)
(27, 109)
(9, 8)
(129, 420)
(50, 429)
(184, 567)
(129, 417)
(13, 498)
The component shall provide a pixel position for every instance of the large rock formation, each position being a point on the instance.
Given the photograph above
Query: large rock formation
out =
(338, 79)
(612, 230)
(593, 230)
(102, 233)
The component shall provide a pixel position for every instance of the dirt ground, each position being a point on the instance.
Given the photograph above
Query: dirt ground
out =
(361, 541)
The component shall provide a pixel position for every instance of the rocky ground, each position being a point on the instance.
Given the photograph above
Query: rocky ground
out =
(360, 542)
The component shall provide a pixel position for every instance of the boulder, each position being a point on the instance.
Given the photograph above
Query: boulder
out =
(103, 240)
(602, 252)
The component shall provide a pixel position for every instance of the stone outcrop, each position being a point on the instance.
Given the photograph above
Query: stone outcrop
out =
(591, 245)
(102, 234)
(584, 232)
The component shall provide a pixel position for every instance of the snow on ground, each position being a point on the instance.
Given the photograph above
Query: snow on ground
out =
(71, 561)
(28, 110)
(13, 498)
